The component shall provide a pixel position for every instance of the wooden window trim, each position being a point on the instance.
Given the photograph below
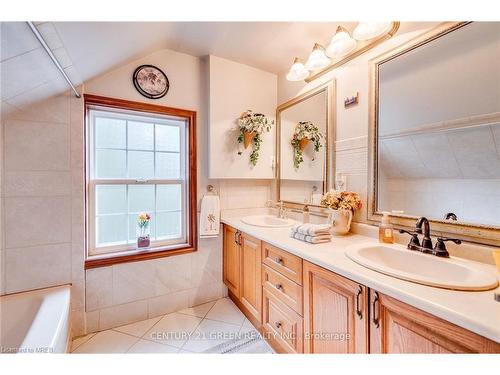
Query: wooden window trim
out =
(139, 255)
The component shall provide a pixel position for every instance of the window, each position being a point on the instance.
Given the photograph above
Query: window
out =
(141, 158)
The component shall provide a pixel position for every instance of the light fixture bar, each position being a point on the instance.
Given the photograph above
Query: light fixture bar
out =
(52, 57)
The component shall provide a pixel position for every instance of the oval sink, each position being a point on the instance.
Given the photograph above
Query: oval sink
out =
(267, 221)
(399, 262)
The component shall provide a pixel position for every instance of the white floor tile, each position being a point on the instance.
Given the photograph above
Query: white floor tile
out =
(173, 329)
(107, 342)
(226, 311)
(209, 334)
(138, 329)
(200, 311)
(80, 340)
(145, 346)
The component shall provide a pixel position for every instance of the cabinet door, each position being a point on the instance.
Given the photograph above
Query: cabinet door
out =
(251, 280)
(231, 259)
(335, 313)
(396, 327)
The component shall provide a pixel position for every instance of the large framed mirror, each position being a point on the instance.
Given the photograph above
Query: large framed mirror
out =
(304, 144)
(435, 132)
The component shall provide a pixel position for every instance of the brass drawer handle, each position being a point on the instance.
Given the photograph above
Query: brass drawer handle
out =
(358, 310)
(279, 286)
(375, 318)
(278, 325)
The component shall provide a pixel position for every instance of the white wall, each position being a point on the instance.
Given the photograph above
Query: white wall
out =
(233, 89)
(352, 123)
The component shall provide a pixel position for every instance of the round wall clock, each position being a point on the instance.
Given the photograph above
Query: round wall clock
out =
(150, 81)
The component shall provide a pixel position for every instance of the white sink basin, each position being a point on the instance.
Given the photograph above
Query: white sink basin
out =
(268, 221)
(399, 262)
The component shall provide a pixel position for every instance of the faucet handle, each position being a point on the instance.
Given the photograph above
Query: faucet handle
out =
(414, 241)
(440, 247)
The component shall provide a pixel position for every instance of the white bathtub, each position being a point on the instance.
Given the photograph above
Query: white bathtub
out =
(36, 322)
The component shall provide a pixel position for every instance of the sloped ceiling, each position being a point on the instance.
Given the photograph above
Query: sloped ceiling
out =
(472, 153)
(88, 49)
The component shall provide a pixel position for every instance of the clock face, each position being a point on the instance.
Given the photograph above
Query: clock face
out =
(150, 81)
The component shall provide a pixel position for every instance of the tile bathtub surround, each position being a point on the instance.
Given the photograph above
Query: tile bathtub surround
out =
(42, 198)
(191, 330)
(130, 292)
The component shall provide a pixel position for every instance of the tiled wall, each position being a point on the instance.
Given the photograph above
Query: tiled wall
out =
(43, 196)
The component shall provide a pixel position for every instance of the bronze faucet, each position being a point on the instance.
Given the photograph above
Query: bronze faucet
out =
(423, 227)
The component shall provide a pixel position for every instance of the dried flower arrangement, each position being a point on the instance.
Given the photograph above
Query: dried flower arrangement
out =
(341, 200)
(251, 126)
(304, 132)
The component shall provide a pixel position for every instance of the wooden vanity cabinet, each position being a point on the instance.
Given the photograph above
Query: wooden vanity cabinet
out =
(250, 279)
(242, 272)
(396, 327)
(231, 260)
(335, 313)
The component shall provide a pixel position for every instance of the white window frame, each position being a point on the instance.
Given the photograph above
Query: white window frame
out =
(132, 115)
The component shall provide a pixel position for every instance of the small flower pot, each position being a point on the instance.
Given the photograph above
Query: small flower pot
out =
(248, 138)
(143, 241)
(303, 143)
(340, 220)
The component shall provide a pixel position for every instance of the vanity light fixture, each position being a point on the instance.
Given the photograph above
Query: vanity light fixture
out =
(341, 43)
(317, 59)
(298, 71)
(370, 30)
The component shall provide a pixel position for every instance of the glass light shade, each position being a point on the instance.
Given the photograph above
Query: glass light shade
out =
(298, 71)
(341, 43)
(317, 59)
(370, 30)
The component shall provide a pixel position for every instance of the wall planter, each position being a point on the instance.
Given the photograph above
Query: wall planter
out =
(251, 126)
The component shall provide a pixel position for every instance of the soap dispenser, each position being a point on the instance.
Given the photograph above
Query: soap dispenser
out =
(386, 230)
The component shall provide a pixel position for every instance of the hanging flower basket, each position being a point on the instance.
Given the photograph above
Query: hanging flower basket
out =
(305, 132)
(251, 126)
(248, 137)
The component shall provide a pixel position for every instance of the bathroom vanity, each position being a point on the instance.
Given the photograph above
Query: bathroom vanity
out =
(314, 299)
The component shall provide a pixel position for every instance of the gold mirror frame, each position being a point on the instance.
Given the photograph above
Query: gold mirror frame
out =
(478, 233)
(329, 89)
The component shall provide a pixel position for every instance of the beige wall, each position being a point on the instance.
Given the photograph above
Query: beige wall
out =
(129, 292)
(351, 153)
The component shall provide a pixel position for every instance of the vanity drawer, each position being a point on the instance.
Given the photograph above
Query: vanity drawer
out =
(285, 263)
(282, 288)
(282, 326)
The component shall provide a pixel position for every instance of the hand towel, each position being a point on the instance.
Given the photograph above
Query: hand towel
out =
(311, 239)
(311, 229)
(210, 216)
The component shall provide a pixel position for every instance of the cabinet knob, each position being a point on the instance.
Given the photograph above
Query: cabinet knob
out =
(279, 286)
(278, 324)
(279, 260)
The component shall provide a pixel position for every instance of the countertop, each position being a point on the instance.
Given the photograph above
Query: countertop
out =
(475, 311)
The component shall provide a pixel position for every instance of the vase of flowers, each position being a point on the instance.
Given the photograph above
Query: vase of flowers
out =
(305, 132)
(251, 125)
(143, 239)
(342, 205)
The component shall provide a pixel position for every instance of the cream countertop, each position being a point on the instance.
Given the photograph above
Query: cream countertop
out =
(475, 311)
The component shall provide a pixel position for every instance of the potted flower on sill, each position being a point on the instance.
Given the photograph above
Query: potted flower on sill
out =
(342, 205)
(251, 126)
(143, 239)
(305, 132)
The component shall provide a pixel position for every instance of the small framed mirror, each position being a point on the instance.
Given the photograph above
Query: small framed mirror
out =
(305, 132)
(435, 132)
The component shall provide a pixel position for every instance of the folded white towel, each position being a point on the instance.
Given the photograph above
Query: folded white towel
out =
(311, 229)
(311, 239)
(210, 216)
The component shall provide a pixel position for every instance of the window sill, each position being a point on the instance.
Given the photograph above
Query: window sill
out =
(134, 256)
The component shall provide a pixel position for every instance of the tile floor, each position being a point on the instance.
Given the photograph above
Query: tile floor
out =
(192, 330)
